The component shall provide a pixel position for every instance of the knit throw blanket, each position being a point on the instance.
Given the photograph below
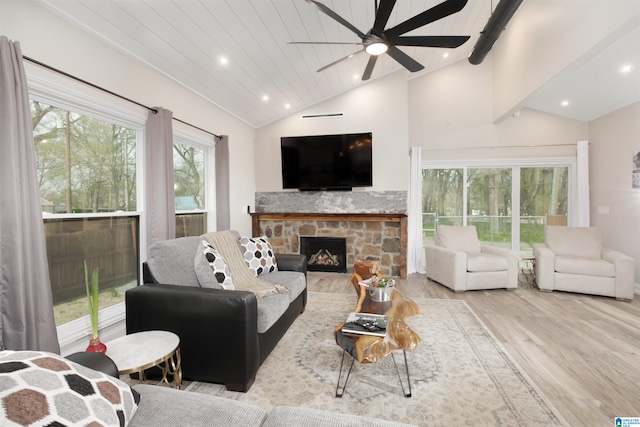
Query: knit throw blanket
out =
(243, 280)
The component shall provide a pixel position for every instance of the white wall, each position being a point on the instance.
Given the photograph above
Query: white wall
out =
(50, 39)
(546, 37)
(451, 108)
(379, 107)
(613, 140)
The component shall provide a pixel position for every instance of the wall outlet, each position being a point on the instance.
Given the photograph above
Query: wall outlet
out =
(603, 210)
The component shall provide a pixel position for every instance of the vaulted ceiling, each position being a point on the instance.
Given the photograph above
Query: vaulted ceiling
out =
(265, 77)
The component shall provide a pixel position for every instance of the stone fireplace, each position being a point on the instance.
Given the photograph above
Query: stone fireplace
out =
(373, 224)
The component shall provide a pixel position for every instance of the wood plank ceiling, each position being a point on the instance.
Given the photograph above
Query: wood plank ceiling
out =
(186, 40)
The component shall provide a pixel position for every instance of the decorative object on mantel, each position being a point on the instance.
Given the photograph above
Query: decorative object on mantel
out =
(92, 299)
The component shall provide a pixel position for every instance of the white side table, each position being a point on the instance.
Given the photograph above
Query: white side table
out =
(135, 353)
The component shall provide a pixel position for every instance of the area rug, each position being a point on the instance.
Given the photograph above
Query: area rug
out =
(460, 374)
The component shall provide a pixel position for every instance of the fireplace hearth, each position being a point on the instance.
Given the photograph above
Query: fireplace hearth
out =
(327, 254)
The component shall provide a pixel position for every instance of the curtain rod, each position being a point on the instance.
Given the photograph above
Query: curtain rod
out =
(494, 147)
(71, 76)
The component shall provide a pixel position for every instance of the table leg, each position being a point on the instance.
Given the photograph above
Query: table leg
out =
(340, 389)
(172, 367)
(406, 368)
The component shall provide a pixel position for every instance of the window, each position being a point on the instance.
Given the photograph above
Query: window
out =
(489, 204)
(544, 200)
(509, 205)
(88, 149)
(87, 174)
(189, 170)
(442, 200)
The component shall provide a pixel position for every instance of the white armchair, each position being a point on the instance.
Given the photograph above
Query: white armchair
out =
(460, 262)
(573, 260)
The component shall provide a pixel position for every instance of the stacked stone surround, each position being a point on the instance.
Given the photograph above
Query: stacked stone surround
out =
(374, 240)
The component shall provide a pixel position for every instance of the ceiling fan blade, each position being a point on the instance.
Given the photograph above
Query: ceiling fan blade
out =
(440, 11)
(405, 60)
(339, 60)
(343, 43)
(430, 41)
(382, 15)
(330, 13)
(369, 68)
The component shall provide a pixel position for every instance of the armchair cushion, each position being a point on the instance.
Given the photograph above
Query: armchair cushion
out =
(459, 239)
(486, 262)
(574, 241)
(586, 266)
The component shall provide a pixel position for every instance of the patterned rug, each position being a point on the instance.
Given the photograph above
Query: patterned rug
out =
(460, 374)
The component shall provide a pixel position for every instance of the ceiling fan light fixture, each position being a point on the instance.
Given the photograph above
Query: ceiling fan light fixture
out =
(376, 48)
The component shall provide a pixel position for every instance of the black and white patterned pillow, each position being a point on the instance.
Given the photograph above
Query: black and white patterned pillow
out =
(258, 254)
(44, 389)
(218, 265)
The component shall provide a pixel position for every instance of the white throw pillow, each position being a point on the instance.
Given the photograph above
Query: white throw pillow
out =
(219, 267)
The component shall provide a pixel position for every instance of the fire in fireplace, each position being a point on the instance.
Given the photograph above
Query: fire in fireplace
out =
(325, 253)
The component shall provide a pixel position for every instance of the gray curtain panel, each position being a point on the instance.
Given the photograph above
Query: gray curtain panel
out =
(223, 213)
(26, 303)
(160, 196)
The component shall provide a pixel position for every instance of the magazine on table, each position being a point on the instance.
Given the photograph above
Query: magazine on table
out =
(366, 324)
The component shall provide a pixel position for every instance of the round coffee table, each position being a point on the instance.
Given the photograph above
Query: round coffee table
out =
(135, 353)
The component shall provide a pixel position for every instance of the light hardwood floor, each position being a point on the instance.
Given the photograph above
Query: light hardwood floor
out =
(581, 351)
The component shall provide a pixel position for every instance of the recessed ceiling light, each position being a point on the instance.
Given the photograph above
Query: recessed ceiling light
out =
(626, 68)
(265, 98)
(355, 77)
(223, 60)
(565, 103)
(445, 55)
(287, 106)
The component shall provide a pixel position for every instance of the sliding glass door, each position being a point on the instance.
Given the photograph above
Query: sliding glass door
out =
(489, 204)
(442, 200)
(544, 200)
(508, 205)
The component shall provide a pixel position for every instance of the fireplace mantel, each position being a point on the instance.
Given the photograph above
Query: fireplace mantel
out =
(400, 218)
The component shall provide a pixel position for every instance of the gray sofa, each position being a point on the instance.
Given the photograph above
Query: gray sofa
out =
(41, 388)
(161, 406)
(225, 335)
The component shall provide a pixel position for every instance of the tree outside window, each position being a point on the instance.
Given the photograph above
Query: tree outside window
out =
(86, 166)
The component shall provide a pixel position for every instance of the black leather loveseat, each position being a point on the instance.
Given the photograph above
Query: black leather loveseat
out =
(221, 331)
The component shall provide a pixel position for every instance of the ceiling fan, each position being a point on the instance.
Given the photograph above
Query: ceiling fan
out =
(378, 40)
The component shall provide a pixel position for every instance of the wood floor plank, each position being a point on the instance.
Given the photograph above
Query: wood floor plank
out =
(581, 351)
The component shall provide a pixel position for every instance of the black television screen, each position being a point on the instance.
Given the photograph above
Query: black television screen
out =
(327, 162)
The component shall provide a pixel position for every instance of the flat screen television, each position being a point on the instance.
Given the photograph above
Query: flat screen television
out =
(327, 162)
